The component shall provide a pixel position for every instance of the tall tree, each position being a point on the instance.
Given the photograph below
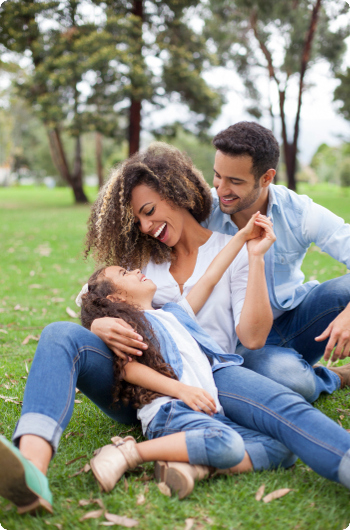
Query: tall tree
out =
(284, 39)
(93, 73)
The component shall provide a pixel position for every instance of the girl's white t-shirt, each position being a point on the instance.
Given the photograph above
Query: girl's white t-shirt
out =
(220, 315)
(196, 367)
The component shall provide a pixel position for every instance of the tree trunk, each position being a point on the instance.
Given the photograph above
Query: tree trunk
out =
(99, 167)
(59, 159)
(135, 105)
(58, 155)
(77, 176)
(134, 126)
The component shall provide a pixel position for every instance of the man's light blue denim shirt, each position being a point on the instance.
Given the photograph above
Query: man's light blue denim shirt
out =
(297, 222)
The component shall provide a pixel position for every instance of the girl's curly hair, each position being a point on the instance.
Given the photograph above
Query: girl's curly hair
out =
(112, 233)
(95, 304)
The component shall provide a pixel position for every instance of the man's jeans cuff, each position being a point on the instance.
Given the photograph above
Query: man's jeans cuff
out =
(40, 425)
(344, 470)
(258, 456)
(196, 447)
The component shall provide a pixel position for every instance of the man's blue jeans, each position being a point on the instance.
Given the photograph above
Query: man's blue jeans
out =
(69, 355)
(291, 349)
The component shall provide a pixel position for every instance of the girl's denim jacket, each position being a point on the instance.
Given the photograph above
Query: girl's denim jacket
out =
(216, 356)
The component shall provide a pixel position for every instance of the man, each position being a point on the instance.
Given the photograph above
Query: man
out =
(306, 314)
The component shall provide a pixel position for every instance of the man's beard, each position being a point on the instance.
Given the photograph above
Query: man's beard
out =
(242, 204)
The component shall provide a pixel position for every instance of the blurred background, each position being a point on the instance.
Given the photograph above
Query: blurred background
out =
(84, 84)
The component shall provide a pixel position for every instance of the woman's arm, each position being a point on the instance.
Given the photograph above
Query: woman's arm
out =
(196, 398)
(201, 291)
(256, 316)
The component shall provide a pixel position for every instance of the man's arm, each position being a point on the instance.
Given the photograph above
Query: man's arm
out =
(332, 235)
(197, 398)
(256, 317)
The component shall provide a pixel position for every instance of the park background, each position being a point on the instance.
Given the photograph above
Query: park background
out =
(83, 84)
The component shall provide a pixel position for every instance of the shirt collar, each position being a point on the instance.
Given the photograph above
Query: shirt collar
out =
(272, 201)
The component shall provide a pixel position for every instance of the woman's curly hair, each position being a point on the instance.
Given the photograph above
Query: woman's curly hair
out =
(112, 234)
(95, 304)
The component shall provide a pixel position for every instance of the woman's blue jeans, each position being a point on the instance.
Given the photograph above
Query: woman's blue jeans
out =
(69, 356)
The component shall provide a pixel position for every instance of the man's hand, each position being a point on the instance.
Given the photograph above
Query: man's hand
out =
(119, 336)
(338, 332)
(198, 399)
(251, 230)
(261, 243)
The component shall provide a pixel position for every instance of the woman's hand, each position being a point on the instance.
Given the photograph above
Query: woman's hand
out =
(197, 398)
(119, 336)
(260, 245)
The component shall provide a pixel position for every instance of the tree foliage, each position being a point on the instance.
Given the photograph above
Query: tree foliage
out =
(283, 39)
(93, 64)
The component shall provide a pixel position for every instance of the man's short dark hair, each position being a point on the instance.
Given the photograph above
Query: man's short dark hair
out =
(248, 138)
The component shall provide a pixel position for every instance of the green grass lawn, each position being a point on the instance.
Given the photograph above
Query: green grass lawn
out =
(41, 271)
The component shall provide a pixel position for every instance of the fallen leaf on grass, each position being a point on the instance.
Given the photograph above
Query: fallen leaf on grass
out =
(3, 331)
(85, 502)
(95, 514)
(19, 308)
(122, 521)
(31, 337)
(71, 313)
(26, 367)
(57, 300)
(163, 488)
(35, 286)
(73, 434)
(276, 494)
(189, 523)
(259, 494)
(141, 499)
(78, 401)
(10, 400)
(340, 423)
(75, 459)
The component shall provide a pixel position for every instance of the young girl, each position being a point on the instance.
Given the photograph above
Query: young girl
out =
(173, 336)
(192, 436)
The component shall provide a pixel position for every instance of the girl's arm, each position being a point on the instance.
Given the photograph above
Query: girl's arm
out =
(196, 398)
(256, 316)
(201, 291)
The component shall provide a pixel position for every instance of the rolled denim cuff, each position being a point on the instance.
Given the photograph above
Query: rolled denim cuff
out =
(39, 425)
(258, 456)
(344, 470)
(196, 447)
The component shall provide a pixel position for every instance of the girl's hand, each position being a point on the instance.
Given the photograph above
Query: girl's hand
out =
(260, 245)
(197, 398)
(119, 336)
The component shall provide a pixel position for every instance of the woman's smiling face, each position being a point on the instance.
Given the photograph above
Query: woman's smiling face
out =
(156, 216)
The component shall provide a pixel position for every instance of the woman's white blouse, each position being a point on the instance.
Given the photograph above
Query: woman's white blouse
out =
(220, 315)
